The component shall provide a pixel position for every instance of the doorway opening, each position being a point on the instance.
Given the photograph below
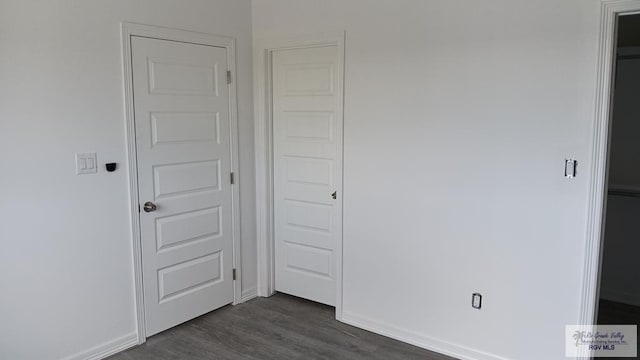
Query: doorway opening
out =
(182, 143)
(299, 124)
(619, 301)
(307, 127)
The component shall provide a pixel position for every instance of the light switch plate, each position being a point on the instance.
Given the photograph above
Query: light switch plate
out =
(570, 168)
(476, 301)
(86, 163)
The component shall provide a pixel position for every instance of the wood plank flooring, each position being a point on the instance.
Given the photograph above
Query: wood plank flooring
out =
(279, 327)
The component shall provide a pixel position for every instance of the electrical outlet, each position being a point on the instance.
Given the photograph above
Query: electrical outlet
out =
(476, 301)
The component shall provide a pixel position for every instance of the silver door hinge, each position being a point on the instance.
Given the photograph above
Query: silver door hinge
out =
(234, 274)
(232, 179)
(228, 76)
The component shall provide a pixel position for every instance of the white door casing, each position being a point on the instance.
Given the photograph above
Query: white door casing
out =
(609, 12)
(183, 144)
(307, 123)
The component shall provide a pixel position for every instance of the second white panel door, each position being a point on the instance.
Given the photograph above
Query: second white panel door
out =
(307, 123)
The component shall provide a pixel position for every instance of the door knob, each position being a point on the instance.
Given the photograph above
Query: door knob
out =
(149, 206)
(334, 195)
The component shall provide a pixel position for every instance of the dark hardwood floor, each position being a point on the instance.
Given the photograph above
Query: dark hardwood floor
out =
(279, 327)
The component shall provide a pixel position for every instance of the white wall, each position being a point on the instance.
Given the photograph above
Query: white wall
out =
(66, 250)
(458, 118)
(620, 266)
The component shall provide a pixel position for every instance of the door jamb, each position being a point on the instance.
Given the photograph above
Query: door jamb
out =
(263, 49)
(156, 32)
(609, 12)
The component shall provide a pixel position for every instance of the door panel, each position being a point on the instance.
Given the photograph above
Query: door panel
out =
(172, 127)
(181, 103)
(306, 123)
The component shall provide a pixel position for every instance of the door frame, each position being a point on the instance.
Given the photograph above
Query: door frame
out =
(609, 12)
(262, 70)
(162, 33)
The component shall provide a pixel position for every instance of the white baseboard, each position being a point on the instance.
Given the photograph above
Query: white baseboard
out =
(413, 338)
(107, 349)
(248, 294)
(620, 296)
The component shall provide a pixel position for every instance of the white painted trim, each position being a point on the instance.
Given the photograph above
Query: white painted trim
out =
(620, 296)
(132, 175)
(417, 339)
(107, 349)
(248, 294)
(156, 32)
(609, 11)
(264, 154)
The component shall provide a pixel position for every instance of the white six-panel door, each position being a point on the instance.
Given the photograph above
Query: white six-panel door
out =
(307, 120)
(181, 104)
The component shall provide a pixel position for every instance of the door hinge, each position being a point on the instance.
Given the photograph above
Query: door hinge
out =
(234, 274)
(232, 179)
(228, 76)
